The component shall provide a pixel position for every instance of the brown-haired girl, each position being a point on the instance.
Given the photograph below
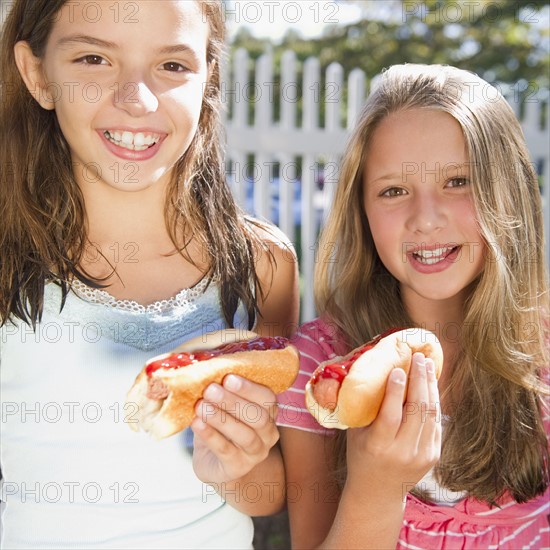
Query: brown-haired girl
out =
(119, 240)
(437, 223)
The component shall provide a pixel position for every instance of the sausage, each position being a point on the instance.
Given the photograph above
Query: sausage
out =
(347, 392)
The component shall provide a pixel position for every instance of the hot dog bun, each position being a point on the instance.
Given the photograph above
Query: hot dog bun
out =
(360, 395)
(171, 413)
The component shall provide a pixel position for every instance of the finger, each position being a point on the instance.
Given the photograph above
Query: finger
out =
(431, 433)
(247, 424)
(434, 404)
(387, 423)
(207, 437)
(431, 410)
(254, 435)
(233, 404)
(255, 393)
(414, 409)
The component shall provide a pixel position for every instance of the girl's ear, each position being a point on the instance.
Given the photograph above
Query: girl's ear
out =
(30, 68)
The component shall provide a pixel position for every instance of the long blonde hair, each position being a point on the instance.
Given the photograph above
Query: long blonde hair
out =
(43, 234)
(496, 441)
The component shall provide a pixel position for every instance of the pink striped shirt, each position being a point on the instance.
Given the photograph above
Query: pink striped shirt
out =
(468, 524)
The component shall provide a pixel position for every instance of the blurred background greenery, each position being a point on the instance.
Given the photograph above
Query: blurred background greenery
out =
(501, 40)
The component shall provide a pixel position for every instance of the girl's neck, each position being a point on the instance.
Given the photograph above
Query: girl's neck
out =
(118, 216)
(444, 318)
(130, 247)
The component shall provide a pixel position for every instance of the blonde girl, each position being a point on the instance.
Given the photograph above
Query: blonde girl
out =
(437, 223)
(120, 240)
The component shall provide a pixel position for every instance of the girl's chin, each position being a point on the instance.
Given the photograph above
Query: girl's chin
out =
(434, 293)
(127, 177)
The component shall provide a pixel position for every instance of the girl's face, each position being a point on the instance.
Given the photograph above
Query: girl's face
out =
(419, 205)
(126, 80)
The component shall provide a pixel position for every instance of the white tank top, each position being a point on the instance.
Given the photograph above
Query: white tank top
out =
(74, 474)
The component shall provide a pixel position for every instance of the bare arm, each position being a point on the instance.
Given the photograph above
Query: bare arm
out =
(384, 461)
(236, 447)
(313, 495)
(279, 280)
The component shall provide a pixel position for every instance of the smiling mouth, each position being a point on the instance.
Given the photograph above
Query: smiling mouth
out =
(430, 257)
(133, 142)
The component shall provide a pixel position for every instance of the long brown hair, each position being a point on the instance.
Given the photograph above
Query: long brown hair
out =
(496, 440)
(43, 232)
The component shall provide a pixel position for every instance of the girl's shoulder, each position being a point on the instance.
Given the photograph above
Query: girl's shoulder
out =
(276, 267)
(273, 251)
(272, 239)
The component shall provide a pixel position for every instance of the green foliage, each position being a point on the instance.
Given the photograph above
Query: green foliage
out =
(501, 40)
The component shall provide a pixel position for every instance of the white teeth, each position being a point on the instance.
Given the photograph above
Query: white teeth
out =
(134, 142)
(139, 140)
(432, 253)
(433, 256)
(127, 138)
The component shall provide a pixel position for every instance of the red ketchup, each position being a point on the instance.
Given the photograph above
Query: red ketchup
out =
(184, 359)
(339, 370)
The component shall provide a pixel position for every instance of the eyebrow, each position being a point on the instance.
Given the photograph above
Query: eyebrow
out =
(85, 39)
(177, 48)
(461, 169)
(388, 177)
(180, 48)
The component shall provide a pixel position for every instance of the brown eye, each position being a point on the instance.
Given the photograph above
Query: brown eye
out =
(174, 67)
(91, 60)
(458, 182)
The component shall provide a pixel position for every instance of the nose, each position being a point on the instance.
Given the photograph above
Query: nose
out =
(135, 97)
(427, 214)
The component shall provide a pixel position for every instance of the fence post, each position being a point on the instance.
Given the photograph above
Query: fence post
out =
(263, 122)
(312, 93)
(287, 168)
(333, 108)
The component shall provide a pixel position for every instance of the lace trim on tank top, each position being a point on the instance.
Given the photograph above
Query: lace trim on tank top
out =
(158, 326)
(99, 296)
(183, 316)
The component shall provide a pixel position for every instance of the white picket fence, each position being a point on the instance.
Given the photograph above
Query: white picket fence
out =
(283, 158)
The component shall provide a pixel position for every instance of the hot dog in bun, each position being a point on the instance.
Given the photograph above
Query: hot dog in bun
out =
(169, 386)
(347, 392)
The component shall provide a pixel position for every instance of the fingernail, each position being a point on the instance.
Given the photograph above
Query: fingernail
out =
(430, 367)
(398, 376)
(419, 358)
(213, 392)
(232, 383)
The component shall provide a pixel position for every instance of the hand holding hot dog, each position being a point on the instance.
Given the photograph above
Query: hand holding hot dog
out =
(347, 392)
(169, 387)
(234, 429)
(393, 453)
